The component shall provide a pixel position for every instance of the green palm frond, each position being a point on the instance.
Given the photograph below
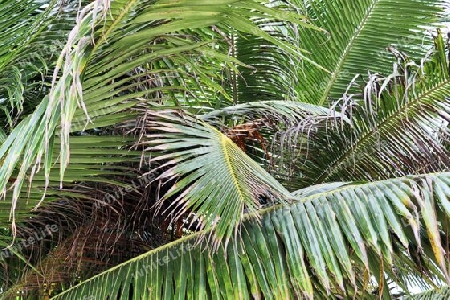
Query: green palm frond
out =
(28, 50)
(288, 112)
(436, 294)
(271, 71)
(397, 126)
(2, 136)
(207, 172)
(94, 159)
(360, 31)
(313, 247)
(97, 159)
(99, 72)
(136, 125)
(257, 124)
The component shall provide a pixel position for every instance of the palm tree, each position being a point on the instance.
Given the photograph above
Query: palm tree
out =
(299, 147)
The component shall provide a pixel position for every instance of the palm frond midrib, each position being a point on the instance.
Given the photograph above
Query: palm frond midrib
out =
(343, 57)
(394, 117)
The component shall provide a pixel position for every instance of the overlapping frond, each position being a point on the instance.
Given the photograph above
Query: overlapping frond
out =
(270, 72)
(359, 33)
(125, 62)
(398, 126)
(208, 173)
(30, 44)
(287, 112)
(95, 159)
(101, 72)
(255, 125)
(436, 294)
(311, 248)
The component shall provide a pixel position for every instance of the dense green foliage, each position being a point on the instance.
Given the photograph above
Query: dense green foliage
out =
(224, 149)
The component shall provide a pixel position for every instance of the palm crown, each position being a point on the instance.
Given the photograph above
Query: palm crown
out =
(300, 148)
